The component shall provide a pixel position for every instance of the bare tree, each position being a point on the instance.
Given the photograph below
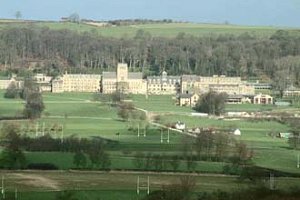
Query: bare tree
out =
(18, 15)
(74, 17)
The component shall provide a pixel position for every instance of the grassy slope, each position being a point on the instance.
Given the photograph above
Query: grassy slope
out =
(164, 30)
(108, 181)
(268, 151)
(93, 185)
(86, 118)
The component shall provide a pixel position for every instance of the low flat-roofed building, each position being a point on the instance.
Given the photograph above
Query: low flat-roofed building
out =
(261, 86)
(237, 99)
(291, 91)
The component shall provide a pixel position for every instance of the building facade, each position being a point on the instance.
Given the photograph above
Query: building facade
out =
(163, 85)
(58, 85)
(229, 85)
(6, 81)
(124, 81)
(262, 99)
(77, 83)
(188, 99)
(292, 92)
(238, 99)
(44, 82)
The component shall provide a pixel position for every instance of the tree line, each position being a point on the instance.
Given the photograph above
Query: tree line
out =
(53, 51)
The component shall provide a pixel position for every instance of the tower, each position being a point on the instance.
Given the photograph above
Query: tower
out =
(122, 78)
(122, 72)
(164, 76)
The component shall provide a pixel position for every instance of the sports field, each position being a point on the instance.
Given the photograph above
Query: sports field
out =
(83, 117)
(115, 185)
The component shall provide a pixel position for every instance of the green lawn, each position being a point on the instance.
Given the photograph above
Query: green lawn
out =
(159, 103)
(249, 107)
(116, 181)
(269, 152)
(119, 161)
(82, 117)
(10, 107)
(95, 185)
(85, 195)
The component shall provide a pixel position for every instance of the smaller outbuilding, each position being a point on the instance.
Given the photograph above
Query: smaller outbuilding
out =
(282, 103)
(263, 99)
(237, 99)
(291, 91)
(180, 125)
(236, 132)
(284, 135)
(188, 99)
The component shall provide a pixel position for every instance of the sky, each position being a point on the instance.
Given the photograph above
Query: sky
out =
(242, 12)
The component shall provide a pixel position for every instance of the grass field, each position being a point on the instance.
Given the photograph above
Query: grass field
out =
(114, 185)
(126, 181)
(162, 30)
(43, 181)
(83, 117)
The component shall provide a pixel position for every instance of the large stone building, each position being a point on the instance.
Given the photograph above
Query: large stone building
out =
(133, 82)
(163, 84)
(229, 85)
(44, 82)
(292, 91)
(124, 81)
(77, 83)
(58, 85)
(190, 84)
(6, 81)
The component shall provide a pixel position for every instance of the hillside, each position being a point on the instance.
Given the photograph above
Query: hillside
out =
(263, 53)
(155, 29)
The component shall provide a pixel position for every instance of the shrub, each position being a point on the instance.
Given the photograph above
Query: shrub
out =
(42, 166)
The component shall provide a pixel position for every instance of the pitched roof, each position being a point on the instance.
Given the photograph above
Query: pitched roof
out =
(135, 75)
(235, 96)
(109, 75)
(190, 78)
(222, 85)
(292, 88)
(263, 96)
(167, 79)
